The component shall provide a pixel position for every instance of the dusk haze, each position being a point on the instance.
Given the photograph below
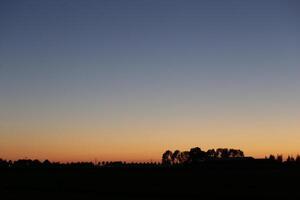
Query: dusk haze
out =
(126, 80)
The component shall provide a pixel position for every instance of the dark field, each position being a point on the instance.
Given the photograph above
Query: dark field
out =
(206, 181)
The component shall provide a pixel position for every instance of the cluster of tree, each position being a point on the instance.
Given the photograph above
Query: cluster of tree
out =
(196, 155)
(279, 158)
(291, 159)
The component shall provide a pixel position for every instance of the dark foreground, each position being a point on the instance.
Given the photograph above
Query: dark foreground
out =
(202, 182)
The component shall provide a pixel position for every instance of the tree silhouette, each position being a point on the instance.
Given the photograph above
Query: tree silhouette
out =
(211, 154)
(167, 157)
(196, 155)
(184, 157)
(176, 157)
(279, 158)
(4, 164)
(235, 153)
(290, 159)
(272, 157)
(223, 153)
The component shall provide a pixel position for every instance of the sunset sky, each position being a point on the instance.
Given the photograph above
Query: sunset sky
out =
(125, 80)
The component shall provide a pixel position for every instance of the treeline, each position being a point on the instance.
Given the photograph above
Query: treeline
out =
(197, 156)
(36, 164)
(169, 158)
(279, 158)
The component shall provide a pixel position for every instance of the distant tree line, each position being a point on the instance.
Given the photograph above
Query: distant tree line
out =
(169, 158)
(279, 158)
(197, 156)
(36, 164)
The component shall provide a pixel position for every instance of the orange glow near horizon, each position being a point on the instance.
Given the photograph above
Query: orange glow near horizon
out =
(145, 143)
(127, 80)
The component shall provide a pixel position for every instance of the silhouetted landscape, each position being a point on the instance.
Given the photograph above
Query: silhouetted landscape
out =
(180, 175)
(109, 99)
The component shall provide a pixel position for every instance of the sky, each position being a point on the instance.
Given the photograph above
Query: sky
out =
(85, 80)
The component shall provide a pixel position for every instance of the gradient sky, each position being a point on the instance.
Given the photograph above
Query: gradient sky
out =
(126, 80)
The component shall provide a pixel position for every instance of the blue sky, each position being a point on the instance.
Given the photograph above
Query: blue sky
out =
(141, 64)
